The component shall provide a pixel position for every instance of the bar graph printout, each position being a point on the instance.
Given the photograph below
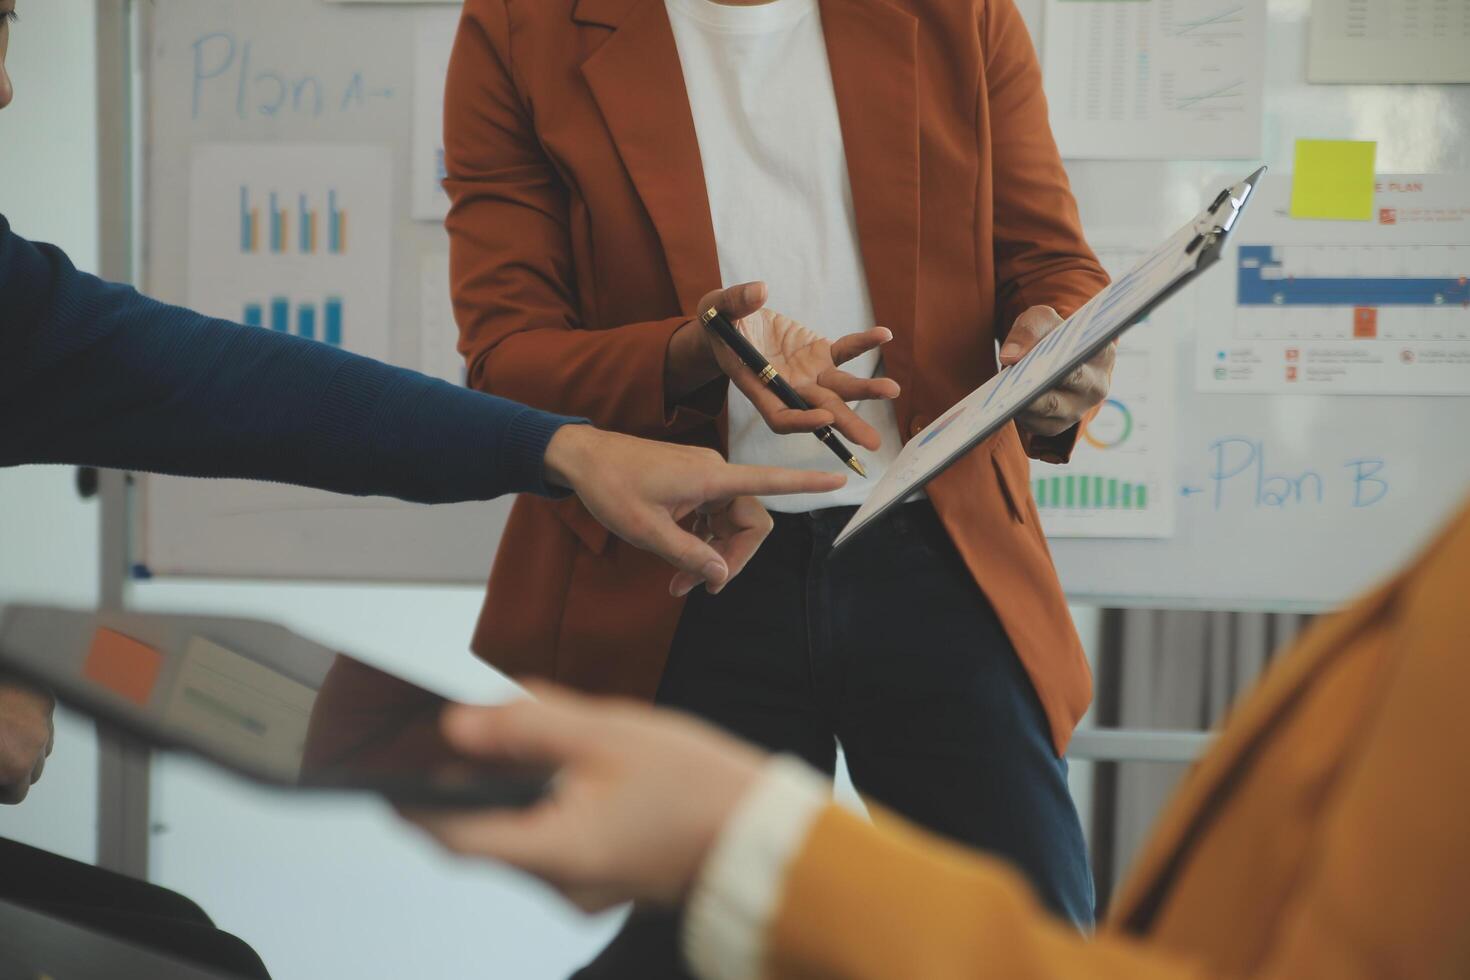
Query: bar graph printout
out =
(1120, 480)
(1155, 79)
(294, 239)
(1345, 307)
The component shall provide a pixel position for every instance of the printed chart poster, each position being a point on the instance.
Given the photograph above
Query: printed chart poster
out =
(1119, 483)
(1155, 79)
(294, 238)
(1374, 307)
(432, 46)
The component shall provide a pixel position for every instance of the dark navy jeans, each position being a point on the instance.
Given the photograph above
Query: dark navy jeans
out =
(891, 649)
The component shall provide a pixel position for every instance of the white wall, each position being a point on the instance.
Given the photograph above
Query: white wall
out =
(48, 537)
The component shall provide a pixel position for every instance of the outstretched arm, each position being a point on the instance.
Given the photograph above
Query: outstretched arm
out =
(92, 373)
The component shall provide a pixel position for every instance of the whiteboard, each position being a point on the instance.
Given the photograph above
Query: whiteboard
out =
(1231, 553)
(262, 73)
(1235, 544)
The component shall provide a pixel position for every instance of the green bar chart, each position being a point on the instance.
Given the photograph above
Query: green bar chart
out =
(1088, 492)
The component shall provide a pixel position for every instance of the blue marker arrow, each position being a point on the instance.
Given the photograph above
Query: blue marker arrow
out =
(1190, 491)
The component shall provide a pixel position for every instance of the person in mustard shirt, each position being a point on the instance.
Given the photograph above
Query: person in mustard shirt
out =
(1324, 834)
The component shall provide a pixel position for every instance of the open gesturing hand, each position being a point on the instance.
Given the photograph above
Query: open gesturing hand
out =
(808, 362)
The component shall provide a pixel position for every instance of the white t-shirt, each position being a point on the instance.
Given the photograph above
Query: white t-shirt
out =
(760, 90)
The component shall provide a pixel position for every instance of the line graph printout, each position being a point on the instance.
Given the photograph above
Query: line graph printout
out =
(1389, 41)
(294, 238)
(1155, 79)
(1338, 307)
(1120, 480)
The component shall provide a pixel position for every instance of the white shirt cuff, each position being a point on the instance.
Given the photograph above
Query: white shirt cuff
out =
(738, 888)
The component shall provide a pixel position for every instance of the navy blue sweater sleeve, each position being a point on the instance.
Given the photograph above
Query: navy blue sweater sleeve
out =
(92, 373)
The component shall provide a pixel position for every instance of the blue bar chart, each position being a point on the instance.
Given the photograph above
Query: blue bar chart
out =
(334, 322)
(306, 321)
(249, 223)
(306, 223)
(279, 313)
(278, 226)
(1265, 276)
(1352, 292)
(336, 225)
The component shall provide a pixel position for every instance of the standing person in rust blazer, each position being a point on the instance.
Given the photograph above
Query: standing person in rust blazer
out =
(611, 162)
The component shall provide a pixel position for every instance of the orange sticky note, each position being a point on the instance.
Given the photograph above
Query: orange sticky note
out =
(123, 665)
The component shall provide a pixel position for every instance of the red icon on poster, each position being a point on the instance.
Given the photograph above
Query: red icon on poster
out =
(1365, 322)
(1388, 216)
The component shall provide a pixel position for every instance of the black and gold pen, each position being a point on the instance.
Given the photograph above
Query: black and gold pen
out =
(753, 359)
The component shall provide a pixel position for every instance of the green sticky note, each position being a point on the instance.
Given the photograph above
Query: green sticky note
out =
(1333, 179)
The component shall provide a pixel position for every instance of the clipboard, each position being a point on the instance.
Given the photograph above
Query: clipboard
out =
(979, 415)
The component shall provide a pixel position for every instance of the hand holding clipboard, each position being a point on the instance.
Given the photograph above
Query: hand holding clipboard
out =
(976, 417)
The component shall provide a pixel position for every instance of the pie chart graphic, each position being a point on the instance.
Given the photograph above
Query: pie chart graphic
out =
(1111, 427)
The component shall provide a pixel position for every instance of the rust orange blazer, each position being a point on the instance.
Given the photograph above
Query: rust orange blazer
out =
(1325, 835)
(581, 239)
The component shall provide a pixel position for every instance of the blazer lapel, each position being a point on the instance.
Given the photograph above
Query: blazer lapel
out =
(1138, 900)
(638, 84)
(873, 52)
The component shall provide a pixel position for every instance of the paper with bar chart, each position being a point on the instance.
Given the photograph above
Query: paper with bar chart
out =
(1118, 483)
(1155, 79)
(1345, 307)
(294, 238)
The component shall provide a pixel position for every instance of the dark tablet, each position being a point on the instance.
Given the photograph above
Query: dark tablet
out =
(35, 945)
(257, 699)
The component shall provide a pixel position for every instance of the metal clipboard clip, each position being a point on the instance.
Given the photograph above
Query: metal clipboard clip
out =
(1214, 224)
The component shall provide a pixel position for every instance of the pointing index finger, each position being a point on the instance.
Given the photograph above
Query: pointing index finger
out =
(761, 481)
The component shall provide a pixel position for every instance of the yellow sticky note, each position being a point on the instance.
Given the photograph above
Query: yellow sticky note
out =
(1333, 179)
